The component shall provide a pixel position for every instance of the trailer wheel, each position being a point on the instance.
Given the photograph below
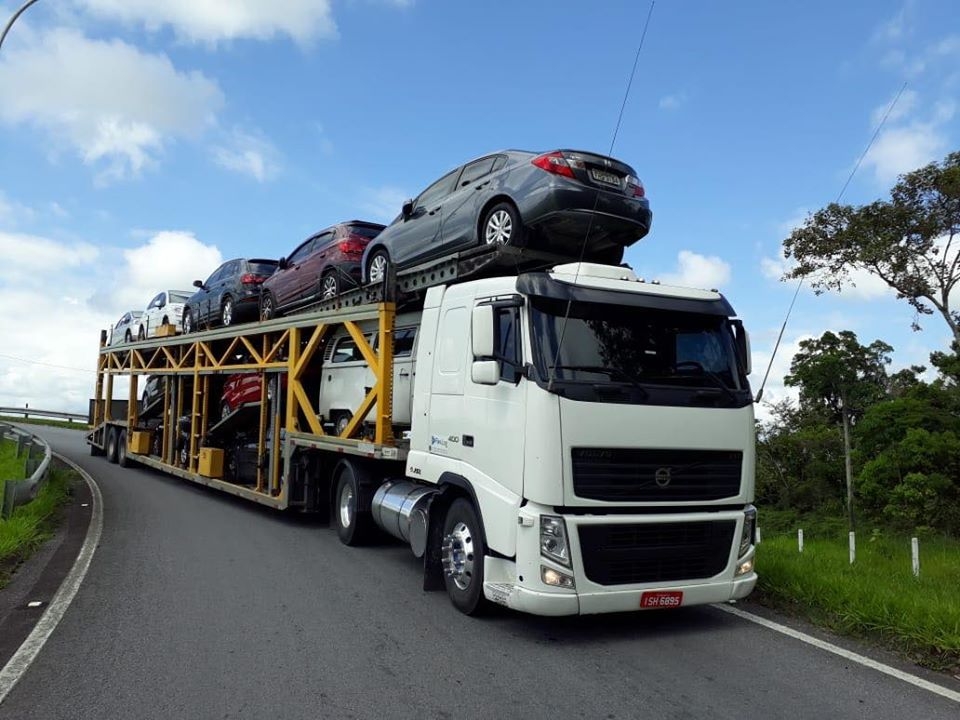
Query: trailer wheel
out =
(112, 445)
(122, 459)
(354, 526)
(462, 553)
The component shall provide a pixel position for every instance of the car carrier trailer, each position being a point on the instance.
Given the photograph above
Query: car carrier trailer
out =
(580, 441)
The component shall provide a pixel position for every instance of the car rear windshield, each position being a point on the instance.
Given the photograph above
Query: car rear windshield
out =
(367, 231)
(176, 297)
(263, 267)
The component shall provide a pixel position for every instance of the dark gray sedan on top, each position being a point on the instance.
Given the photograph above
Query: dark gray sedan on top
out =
(560, 202)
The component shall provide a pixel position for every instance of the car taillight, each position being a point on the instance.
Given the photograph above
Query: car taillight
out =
(634, 186)
(352, 247)
(251, 279)
(555, 163)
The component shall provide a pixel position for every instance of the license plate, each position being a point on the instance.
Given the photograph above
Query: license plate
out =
(605, 177)
(661, 599)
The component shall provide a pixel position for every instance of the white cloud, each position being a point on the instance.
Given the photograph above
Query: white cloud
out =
(110, 103)
(383, 204)
(672, 102)
(248, 154)
(216, 20)
(900, 150)
(699, 271)
(13, 213)
(905, 105)
(896, 27)
(69, 291)
(773, 268)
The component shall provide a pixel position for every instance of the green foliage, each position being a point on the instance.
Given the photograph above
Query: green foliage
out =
(31, 524)
(11, 466)
(905, 241)
(878, 596)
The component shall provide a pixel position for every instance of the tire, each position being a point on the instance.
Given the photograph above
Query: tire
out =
(268, 307)
(329, 286)
(354, 527)
(187, 322)
(122, 459)
(462, 553)
(141, 333)
(340, 424)
(501, 226)
(226, 312)
(378, 266)
(225, 410)
(112, 445)
(127, 336)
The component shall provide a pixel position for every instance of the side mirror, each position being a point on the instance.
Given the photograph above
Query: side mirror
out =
(485, 372)
(482, 332)
(282, 263)
(407, 209)
(198, 284)
(743, 346)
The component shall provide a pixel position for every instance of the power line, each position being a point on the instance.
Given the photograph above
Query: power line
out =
(45, 364)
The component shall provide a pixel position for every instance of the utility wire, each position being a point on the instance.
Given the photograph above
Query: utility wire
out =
(583, 247)
(853, 172)
(52, 365)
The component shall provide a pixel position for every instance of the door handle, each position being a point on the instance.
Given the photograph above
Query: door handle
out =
(404, 373)
(434, 211)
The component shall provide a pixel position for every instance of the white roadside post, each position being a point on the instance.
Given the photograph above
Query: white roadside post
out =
(800, 539)
(915, 551)
(853, 546)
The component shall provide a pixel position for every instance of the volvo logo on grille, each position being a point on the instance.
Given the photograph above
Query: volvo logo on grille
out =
(662, 476)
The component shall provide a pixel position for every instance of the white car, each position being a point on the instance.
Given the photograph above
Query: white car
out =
(125, 329)
(165, 309)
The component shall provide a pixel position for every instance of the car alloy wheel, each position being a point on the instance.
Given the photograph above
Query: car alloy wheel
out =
(329, 287)
(267, 309)
(187, 322)
(226, 312)
(378, 267)
(499, 227)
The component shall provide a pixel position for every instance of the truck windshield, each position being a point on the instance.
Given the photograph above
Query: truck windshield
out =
(613, 353)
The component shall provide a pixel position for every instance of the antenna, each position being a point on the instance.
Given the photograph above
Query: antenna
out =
(596, 202)
(839, 196)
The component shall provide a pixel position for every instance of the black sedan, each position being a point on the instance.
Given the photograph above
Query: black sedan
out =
(565, 202)
(230, 294)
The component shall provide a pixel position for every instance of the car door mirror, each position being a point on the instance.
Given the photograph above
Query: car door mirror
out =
(282, 263)
(485, 372)
(407, 209)
(482, 331)
(198, 284)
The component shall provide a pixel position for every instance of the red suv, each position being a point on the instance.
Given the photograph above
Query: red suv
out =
(322, 267)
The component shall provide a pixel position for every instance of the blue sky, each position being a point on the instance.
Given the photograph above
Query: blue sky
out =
(143, 141)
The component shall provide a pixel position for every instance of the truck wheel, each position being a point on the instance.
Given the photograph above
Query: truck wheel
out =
(353, 525)
(122, 459)
(112, 445)
(462, 554)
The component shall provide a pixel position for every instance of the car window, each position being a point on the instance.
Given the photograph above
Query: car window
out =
(321, 241)
(403, 342)
(177, 297)
(365, 231)
(500, 161)
(217, 274)
(346, 351)
(476, 170)
(262, 267)
(157, 301)
(301, 252)
(508, 348)
(440, 189)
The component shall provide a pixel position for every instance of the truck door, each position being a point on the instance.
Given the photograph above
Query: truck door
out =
(404, 370)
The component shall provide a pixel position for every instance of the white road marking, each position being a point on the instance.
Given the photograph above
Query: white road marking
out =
(28, 651)
(846, 654)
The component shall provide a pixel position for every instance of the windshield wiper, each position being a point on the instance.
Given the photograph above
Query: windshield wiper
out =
(716, 380)
(609, 371)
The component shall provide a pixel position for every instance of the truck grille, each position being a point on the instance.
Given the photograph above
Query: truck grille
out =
(655, 552)
(641, 475)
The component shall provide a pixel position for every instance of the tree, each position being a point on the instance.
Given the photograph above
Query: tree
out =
(841, 377)
(908, 242)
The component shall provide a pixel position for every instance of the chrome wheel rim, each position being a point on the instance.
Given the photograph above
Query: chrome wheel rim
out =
(267, 309)
(499, 228)
(328, 287)
(342, 425)
(378, 268)
(227, 315)
(187, 323)
(457, 555)
(346, 506)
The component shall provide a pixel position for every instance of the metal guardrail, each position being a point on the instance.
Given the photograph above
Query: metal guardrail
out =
(26, 412)
(14, 492)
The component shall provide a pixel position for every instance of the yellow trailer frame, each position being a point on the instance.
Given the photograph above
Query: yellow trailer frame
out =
(286, 346)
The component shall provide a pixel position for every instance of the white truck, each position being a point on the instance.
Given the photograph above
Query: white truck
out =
(573, 440)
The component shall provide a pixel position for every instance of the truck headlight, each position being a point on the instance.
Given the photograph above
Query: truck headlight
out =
(749, 528)
(553, 539)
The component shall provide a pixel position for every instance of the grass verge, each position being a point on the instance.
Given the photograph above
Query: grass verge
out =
(75, 425)
(877, 597)
(33, 523)
(11, 467)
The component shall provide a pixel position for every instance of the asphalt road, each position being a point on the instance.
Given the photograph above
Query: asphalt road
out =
(199, 605)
